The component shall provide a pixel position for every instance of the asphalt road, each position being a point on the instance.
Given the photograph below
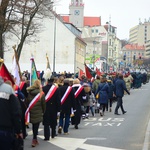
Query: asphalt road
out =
(110, 132)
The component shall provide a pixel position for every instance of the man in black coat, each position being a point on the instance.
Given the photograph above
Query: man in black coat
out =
(119, 92)
(10, 116)
(52, 108)
(67, 100)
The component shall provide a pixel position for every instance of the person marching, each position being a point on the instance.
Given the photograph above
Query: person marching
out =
(67, 100)
(79, 97)
(119, 92)
(110, 95)
(23, 88)
(103, 90)
(21, 97)
(10, 116)
(36, 108)
(52, 106)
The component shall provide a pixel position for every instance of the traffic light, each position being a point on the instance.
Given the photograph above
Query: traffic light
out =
(124, 57)
(134, 57)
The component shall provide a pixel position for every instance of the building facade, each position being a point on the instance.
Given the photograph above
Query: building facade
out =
(140, 34)
(56, 37)
(76, 13)
(133, 54)
(147, 48)
(101, 39)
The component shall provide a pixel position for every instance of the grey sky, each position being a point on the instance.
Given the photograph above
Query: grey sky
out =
(124, 14)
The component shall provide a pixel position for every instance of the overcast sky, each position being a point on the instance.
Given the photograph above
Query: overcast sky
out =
(124, 14)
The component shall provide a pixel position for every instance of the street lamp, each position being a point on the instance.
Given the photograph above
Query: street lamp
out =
(54, 52)
(54, 43)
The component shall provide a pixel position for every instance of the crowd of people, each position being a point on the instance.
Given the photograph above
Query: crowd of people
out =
(58, 102)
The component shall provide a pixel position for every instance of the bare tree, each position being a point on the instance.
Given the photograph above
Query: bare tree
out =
(3, 10)
(22, 19)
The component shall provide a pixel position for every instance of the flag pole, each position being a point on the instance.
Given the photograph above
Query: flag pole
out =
(16, 57)
(48, 64)
(1, 62)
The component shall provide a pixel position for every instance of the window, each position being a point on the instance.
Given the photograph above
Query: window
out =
(92, 31)
(96, 30)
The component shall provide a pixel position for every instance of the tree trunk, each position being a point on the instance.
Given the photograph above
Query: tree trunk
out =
(1, 45)
(3, 8)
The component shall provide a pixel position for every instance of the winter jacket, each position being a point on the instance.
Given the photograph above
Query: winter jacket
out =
(92, 99)
(111, 90)
(69, 102)
(95, 85)
(52, 107)
(103, 90)
(120, 87)
(10, 110)
(36, 113)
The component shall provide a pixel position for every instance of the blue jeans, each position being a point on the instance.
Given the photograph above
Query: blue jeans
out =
(6, 140)
(64, 120)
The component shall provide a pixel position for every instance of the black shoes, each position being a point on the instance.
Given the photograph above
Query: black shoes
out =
(116, 113)
(124, 112)
(76, 126)
(46, 139)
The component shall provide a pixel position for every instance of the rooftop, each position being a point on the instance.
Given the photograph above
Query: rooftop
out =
(88, 21)
(134, 47)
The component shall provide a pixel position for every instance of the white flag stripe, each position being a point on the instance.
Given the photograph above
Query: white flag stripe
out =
(15, 71)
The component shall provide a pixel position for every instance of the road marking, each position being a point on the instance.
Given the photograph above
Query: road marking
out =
(89, 147)
(76, 143)
(147, 137)
(66, 143)
(103, 122)
(96, 138)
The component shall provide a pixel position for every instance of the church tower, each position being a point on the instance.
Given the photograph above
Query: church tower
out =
(77, 13)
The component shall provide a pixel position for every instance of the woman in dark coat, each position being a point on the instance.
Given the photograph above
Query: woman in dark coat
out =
(52, 108)
(103, 90)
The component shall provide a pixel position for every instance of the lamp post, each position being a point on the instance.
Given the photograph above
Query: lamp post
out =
(54, 43)
(54, 52)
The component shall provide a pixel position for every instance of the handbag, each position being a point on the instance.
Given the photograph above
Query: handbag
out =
(98, 94)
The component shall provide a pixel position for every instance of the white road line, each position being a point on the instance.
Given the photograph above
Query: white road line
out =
(89, 147)
(147, 138)
(75, 143)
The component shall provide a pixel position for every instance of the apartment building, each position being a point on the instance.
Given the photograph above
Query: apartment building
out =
(140, 33)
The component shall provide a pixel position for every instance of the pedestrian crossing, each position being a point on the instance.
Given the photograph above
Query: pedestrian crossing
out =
(68, 143)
